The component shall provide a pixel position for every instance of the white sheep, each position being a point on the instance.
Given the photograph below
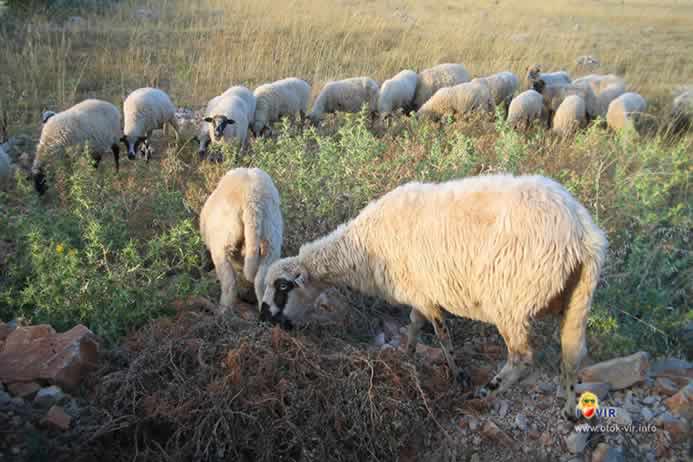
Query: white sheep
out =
(570, 116)
(605, 87)
(348, 95)
(146, 110)
(526, 108)
(287, 97)
(397, 93)
(550, 78)
(502, 86)
(625, 110)
(682, 111)
(555, 94)
(433, 79)
(241, 225)
(92, 123)
(46, 115)
(498, 248)
(228, 116)
(465, 98)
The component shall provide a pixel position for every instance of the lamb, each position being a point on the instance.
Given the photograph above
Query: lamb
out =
(348, 95)
(464, 98)
(241, 225)
(625, 110)
(570, 116)
(286, 97)
(437, 77)
(228, 116)
(525, 108)
(550, 78)
(502, 86)
(93, 123)
(555, 94)
(146, 110)
(497, 248)
(397, 93)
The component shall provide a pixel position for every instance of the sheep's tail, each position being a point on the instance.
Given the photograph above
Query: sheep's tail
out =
(252, 229)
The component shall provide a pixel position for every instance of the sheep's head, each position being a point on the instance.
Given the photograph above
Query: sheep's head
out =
(134, 144)
(219, 123)
(290, 292)
(539, 86)
(46, 115)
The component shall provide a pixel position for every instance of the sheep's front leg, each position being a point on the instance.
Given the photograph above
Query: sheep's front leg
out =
(227, 279)
(446, 344)
(417, 320)
(518, 363)
(116, 156)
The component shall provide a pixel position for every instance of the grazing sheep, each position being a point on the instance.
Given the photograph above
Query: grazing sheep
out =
(241, 225)
(550, 78)
(146, 110)
(502, 86)
(397, 93)
(624, 110)
(275, 100)
(437, 77)
(555, 94)
(465, 98)
(348, 95)
(570, 116)
(682, 111)
(606, 88)
(228, 116)
(93, 123)
(497, 248)
(525, 108)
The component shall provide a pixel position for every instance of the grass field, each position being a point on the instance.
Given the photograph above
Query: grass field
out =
(638, 189)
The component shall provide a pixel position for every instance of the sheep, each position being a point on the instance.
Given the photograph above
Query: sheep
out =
(624, 110)
(497, 248)
(464, 98)
(570, 115)
(228, 116)
(437, 77)
(550, 78)
(241, 225)
(146, 110)
(397, 93)
(605, 87)
(555, 94)
(92, 122)
(46, 115)
(275, 100)
(502, 86)
(525, 108)
(348, 95)
(682, 111)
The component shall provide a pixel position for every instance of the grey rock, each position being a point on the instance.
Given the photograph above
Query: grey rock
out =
(630, 403)
(622, 417)
(619, 373)
(604, 453)
(650, 400)
(576, 442)
(598, 388)
(646, 413)
(503, 408)
(475, 457)
(48, 396)
(664, 366)
(547, 388)
(521, 422)
(474, 424)
(5, 397)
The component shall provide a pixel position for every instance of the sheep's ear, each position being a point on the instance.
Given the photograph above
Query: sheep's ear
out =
(264, 247)
(300, 281)
(230, 121)
(208, 120)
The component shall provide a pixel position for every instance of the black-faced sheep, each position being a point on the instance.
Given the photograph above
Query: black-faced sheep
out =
(497, 248)
(228, 116)
(93, 123)
(146, 110)
(550, 78)
(625, 110)
(241, 225)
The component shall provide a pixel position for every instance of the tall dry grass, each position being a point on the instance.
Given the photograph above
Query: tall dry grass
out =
(194, 50)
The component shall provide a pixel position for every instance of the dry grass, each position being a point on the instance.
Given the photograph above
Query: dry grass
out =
(194, 50)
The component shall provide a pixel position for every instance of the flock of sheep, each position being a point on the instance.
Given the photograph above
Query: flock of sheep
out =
(497, 248)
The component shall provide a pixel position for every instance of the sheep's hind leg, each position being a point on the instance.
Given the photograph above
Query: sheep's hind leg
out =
(518, 363)
(227, 279)
(417, 320)
(116, 156)
(446, 344)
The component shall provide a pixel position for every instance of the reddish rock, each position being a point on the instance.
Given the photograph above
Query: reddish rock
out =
(546, 440)
(491, 431)
(61, 359)
(57, 419)
(618, 372)
(678, 429)
(480, 375)
(665, 386)
(24, 390)
(682, 402)
(23, 336)
(533, 435)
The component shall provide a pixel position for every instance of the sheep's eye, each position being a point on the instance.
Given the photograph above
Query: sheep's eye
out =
(283, 285)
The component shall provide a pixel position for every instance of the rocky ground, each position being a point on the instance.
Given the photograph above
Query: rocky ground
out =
(46, 384)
